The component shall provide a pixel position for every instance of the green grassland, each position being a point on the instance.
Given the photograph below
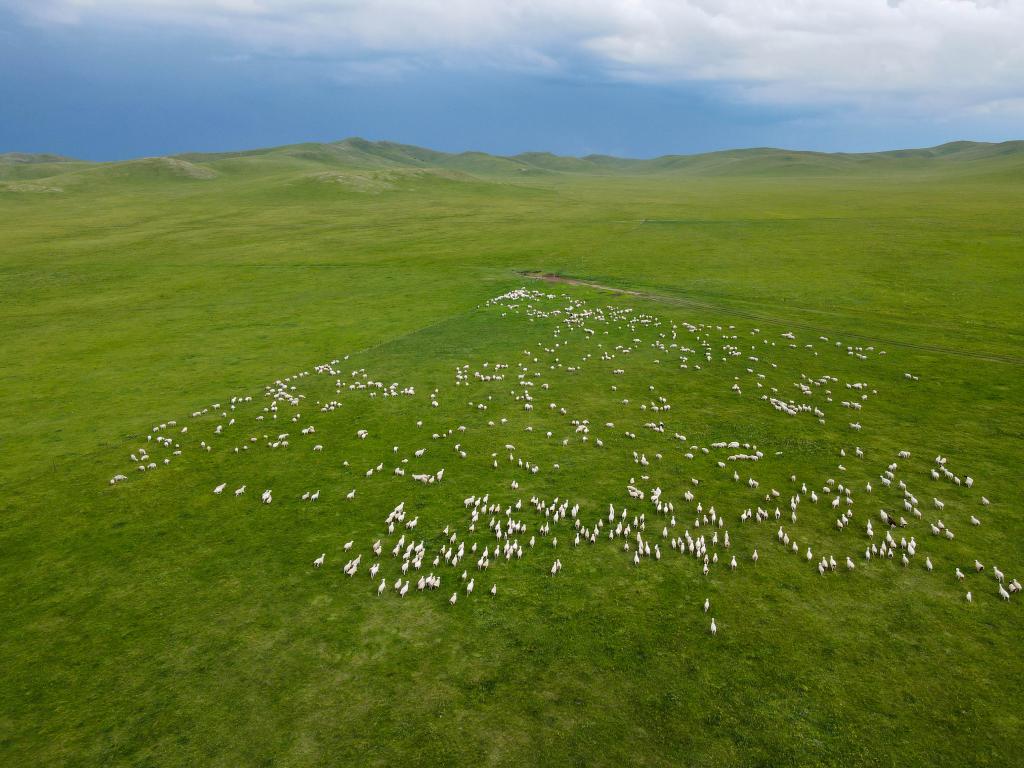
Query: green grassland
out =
(154, 623)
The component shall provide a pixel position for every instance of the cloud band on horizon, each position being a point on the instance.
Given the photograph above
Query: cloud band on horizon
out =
(918, 57)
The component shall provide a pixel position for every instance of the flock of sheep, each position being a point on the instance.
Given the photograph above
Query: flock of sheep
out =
(889, 512)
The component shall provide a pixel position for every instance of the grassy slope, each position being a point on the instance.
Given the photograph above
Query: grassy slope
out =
(141, 628)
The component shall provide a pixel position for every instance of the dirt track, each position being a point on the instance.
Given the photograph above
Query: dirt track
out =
(682, 302)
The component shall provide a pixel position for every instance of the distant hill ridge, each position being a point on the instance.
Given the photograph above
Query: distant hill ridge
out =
(357, 152)
(361, 159)
(33, 157)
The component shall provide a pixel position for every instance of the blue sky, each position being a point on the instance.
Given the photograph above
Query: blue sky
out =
(111, 79)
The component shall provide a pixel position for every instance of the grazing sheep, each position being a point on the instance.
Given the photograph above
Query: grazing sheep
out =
(695, 535)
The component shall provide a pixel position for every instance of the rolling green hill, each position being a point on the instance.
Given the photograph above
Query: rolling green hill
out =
(961, 158)
(182, 314)
(30, 158)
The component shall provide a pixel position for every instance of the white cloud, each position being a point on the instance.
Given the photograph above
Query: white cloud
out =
(918, 55)
(1010, 107)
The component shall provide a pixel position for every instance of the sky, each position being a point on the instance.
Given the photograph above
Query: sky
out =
(114, 79)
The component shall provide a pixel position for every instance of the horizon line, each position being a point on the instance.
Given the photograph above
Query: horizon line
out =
(66, 158)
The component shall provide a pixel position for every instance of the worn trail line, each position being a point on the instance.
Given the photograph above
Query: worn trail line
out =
(679, 301)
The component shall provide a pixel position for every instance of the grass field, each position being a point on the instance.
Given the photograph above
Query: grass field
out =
(152, 622)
